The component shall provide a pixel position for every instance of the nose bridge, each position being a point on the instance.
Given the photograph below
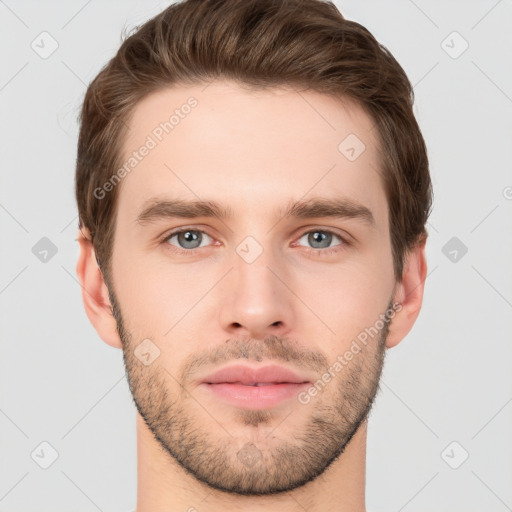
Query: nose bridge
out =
(256, 301)
(252, 265)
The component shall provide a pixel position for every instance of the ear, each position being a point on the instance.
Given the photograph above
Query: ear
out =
(95, 292)
(409, 293)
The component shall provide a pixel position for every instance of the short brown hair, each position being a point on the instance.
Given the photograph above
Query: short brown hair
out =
(263, 44)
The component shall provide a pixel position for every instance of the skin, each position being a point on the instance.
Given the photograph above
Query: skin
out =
(254, 151)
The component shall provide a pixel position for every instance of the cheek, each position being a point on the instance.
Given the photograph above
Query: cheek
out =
(160, 299)
(156, 304)
(348, 298)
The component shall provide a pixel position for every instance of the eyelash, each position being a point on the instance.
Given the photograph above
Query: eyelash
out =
(317, 252)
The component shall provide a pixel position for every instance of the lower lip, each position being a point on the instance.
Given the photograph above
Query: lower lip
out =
(255, 397)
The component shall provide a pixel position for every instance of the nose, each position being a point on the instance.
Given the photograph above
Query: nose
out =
(256, 298)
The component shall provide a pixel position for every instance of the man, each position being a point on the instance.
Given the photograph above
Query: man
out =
(253, 190)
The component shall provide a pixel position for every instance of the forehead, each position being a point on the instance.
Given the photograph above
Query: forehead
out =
(249, 148)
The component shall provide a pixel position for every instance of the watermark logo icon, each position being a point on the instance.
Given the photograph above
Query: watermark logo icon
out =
(455, 455)
(44, 250)
(454, 249)
(146, 352)
(44, 45)
(454, 45)
(249, 455)
(351, 147)
(44, 455)
(249, 249)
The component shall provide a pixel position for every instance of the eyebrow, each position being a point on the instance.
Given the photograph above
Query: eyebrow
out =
(157, 209)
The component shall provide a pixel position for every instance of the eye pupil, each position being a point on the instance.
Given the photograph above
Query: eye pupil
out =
(319, 236)
(185, 238)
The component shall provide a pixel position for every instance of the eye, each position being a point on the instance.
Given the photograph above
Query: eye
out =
(321, 239)
(187, 239)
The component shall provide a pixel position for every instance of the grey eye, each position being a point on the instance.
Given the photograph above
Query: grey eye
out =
(188, 238)
(319, 239)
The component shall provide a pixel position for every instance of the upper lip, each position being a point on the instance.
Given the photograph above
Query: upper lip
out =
(246, 375)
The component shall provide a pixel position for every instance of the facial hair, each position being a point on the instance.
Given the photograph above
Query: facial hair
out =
(243, 465)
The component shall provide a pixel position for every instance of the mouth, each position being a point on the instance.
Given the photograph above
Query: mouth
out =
(255, 383)
(265, 375)
(254, 388)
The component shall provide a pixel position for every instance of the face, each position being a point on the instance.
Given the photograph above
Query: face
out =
(282, 268)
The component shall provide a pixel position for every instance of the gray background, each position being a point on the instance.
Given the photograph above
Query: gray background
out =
(446, 391)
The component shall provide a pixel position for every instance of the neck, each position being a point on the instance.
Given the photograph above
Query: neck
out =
(162, 484)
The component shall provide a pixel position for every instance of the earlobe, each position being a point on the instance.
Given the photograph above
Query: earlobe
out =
(95, 292)
(409, 293)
